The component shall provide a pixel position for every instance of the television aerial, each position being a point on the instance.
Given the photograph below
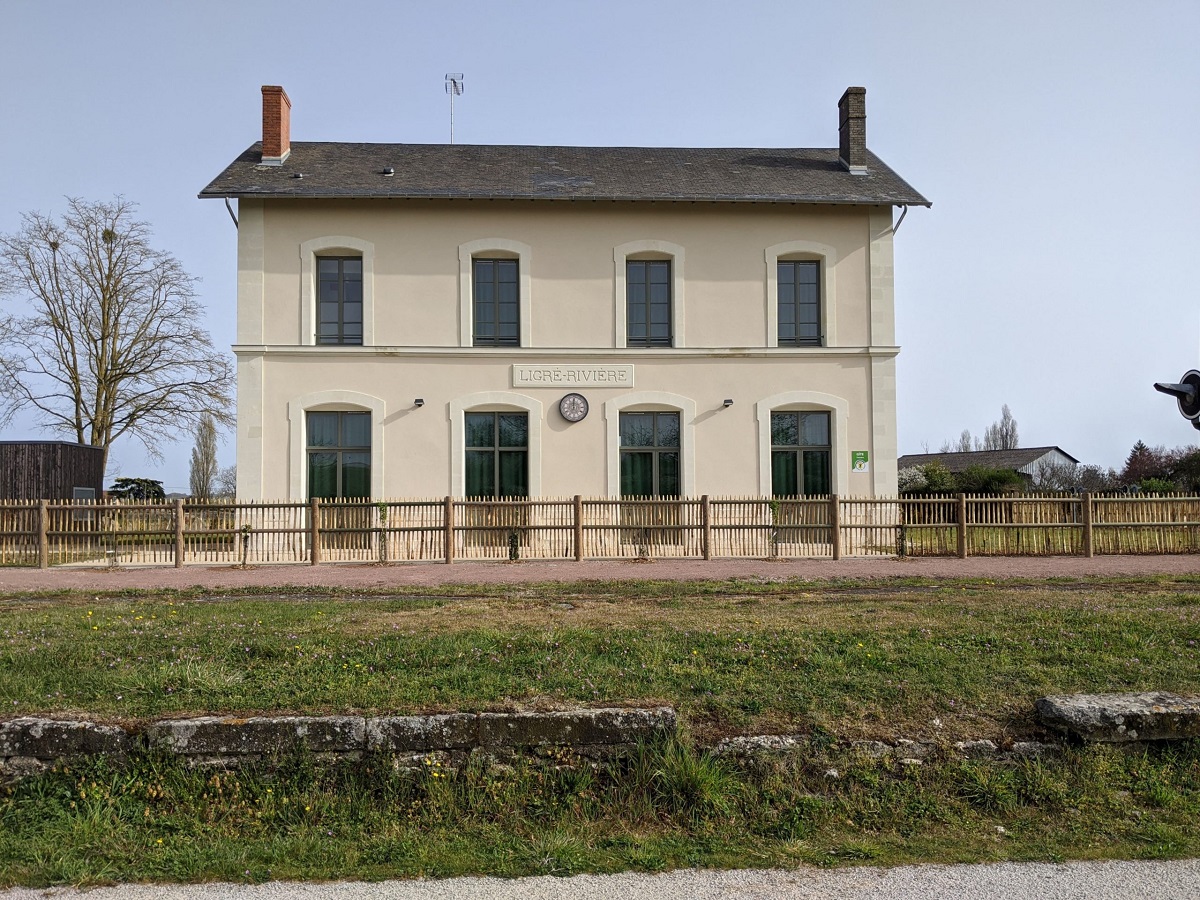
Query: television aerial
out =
(454, 87)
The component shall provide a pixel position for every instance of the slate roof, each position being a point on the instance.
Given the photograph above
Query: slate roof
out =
(470, 171)
(990, 459)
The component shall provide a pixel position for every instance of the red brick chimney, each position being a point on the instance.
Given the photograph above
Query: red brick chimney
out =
(852, 130)
(277, 125)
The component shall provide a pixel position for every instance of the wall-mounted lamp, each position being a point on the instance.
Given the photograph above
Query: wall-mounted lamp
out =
(418, 403)
(727, 403)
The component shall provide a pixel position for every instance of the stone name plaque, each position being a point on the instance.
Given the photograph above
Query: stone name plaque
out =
(572, 376)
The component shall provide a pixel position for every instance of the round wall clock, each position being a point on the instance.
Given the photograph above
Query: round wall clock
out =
(573, 407)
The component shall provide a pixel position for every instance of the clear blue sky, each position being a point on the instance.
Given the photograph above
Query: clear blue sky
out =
(1056, 271)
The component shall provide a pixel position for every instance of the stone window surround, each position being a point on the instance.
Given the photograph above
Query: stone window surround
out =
(335, 245)
(493, 248)
(331, 401)
(494, 401)
(839, 434)
(648, 249)
(651, 401)
(801, 250)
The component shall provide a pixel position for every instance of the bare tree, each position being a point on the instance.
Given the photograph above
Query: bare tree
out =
(110, 342)
(1063, 476)
(1054, 475)
(226, 482)
(962, 445)
(1001, 435)
(202, 477)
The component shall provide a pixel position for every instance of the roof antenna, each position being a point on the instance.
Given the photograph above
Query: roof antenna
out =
(454, 87)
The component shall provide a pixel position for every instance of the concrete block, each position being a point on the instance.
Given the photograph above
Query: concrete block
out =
(50, 739)
(1121, 718)
(575, 727)
(225, 736)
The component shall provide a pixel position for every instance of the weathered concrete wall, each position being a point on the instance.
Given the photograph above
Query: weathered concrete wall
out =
(30, 744)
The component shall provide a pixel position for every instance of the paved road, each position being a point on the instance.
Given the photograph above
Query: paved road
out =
(1178, 880)
(373, 577)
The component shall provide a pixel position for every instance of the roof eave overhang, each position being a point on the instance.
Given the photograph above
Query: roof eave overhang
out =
(807, 201)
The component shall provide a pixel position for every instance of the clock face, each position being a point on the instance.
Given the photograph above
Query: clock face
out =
(573, 407)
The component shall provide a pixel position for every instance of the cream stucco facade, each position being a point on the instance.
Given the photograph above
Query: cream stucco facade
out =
(417, 338)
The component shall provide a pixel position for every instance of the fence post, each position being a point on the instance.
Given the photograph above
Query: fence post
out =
(835, 524)
(962, 526)
(43, 534)
(179, 532)
(314, 531)
(705, 526)
(448, 526)
(578, 528)
(1087, 525)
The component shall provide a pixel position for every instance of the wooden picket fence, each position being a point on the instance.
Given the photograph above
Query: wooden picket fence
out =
(447, 529)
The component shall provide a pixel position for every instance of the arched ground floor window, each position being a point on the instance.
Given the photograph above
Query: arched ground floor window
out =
(800, 453)
(335, 445)
(495, 445)
(803, 441)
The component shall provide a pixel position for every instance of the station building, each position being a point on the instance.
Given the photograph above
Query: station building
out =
(418, 320)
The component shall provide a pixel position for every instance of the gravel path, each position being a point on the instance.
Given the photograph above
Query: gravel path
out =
(13, 580)
(1177, 880)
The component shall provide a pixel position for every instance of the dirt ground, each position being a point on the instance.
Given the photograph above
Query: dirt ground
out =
(381, 577)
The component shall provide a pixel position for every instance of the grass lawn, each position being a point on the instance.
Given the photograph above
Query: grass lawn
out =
(936, 660)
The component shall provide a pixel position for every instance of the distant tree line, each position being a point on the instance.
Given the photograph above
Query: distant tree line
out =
(1151, 470)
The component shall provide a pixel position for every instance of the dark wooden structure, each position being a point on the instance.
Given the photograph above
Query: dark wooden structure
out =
(50, 470)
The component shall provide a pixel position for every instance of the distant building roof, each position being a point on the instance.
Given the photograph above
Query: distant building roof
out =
(32, 443)
(334, 170)
(1016, 460)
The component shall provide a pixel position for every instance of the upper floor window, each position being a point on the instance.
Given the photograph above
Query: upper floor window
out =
(650, 454)
(339, 454)
(497, 318)
(800, 454)
(339, 300)
(497, 454)
(799, 294)
(648, 303)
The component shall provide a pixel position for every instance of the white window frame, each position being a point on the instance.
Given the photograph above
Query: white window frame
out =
(331, 401)
(827, 256)
(648, 249)
(494, 401)
(806, 401)
(493, 248)
(651, 401)
(335, 245)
